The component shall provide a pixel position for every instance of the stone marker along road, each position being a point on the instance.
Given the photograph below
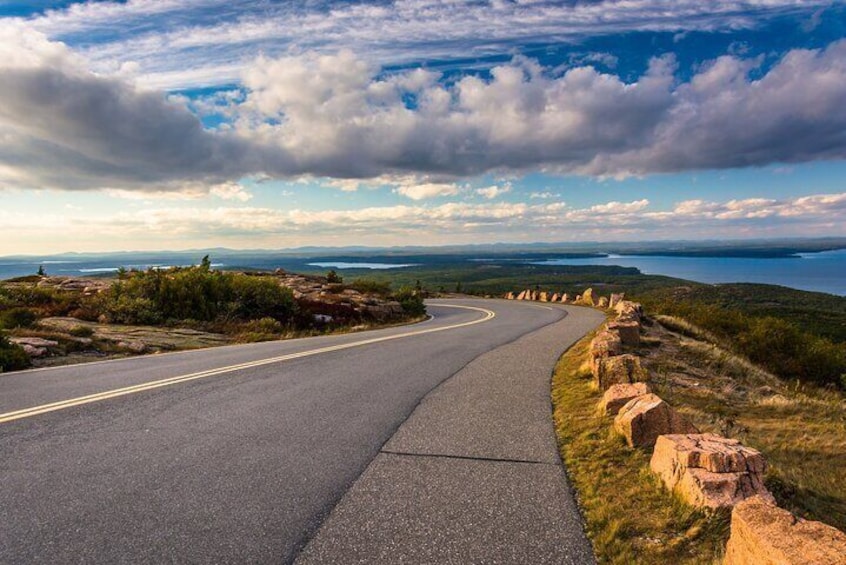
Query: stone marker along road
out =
(232, 454)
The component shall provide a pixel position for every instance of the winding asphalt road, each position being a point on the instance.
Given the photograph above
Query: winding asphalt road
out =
(228, 455)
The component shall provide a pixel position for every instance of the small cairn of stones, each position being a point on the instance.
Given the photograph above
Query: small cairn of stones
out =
(707, 470)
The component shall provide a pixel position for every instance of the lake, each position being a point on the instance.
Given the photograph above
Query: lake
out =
(821, 272)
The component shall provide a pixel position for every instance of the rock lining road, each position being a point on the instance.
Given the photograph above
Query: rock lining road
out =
(238, 467)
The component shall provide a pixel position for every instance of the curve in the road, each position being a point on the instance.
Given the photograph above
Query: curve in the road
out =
(100, 396)
(241, 468)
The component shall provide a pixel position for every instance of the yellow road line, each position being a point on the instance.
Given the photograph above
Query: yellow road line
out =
(61, 405)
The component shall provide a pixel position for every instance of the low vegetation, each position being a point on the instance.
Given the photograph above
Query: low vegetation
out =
(800, 428)
(186, 307)
(771, 330)
(497, 277)
(195, 293)
(12, 357)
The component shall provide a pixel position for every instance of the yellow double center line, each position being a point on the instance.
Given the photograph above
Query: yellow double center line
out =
(61, 405)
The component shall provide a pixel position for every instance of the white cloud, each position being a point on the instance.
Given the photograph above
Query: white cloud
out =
(231, 191)
(203, 42)
(345, 185)
(62, 126)
(443, 223)
(427, 190)
(341, 120)
(491, 192)
(544, 195)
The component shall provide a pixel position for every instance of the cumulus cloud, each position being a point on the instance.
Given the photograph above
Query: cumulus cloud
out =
(335, 116)
(491, 192)
(426, 190)
(62, 126)
(451, 222)
(231, 191)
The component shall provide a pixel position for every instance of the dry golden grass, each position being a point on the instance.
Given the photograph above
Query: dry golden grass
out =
(799, 428)
(629, 516)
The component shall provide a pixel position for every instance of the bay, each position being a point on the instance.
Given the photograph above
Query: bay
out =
(820, 272)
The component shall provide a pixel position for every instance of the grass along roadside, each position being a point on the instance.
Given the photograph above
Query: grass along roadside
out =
(629, 516)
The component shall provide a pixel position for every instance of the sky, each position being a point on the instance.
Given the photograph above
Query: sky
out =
(181, 124)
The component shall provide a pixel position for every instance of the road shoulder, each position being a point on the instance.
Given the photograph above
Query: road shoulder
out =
(474, 474)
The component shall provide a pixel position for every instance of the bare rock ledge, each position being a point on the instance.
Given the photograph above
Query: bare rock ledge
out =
(763, 534)
(642, 419)
(709, 471)
(619, 395)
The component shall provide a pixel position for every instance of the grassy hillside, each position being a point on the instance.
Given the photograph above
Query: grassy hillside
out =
(794, 334)
(816, 312)
(800, 429)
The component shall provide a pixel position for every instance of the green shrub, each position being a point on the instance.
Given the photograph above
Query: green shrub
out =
(261, 297)
(17, 318)
(784, 349)
(35, 296)
(81, 331)
(121, 308)
(195, 293)
(333, 277)
(411, 301)
(12, 356)
(371, 286)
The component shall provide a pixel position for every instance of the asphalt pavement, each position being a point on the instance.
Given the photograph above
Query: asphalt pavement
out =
(226, 455)
(474, 475)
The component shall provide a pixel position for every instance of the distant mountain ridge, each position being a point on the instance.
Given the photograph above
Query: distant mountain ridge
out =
(682, 248)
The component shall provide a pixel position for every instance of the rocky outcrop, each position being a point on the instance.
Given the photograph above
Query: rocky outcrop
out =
(629, 331)
(84, 286)
(643, 419)
(602, 302)
(509, 296)
(543, 297)
(763, 534)
(628, 311)
(522, 295)
(382, 310)
(587, 297)
(708, 470)
(619, 395)
(618, 369)
(555, 297)
(565, 298)
(133, 346)
(614, 300)
(35, 347)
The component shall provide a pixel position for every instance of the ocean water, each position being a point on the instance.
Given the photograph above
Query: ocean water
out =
(360, 265)
(821, 272)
